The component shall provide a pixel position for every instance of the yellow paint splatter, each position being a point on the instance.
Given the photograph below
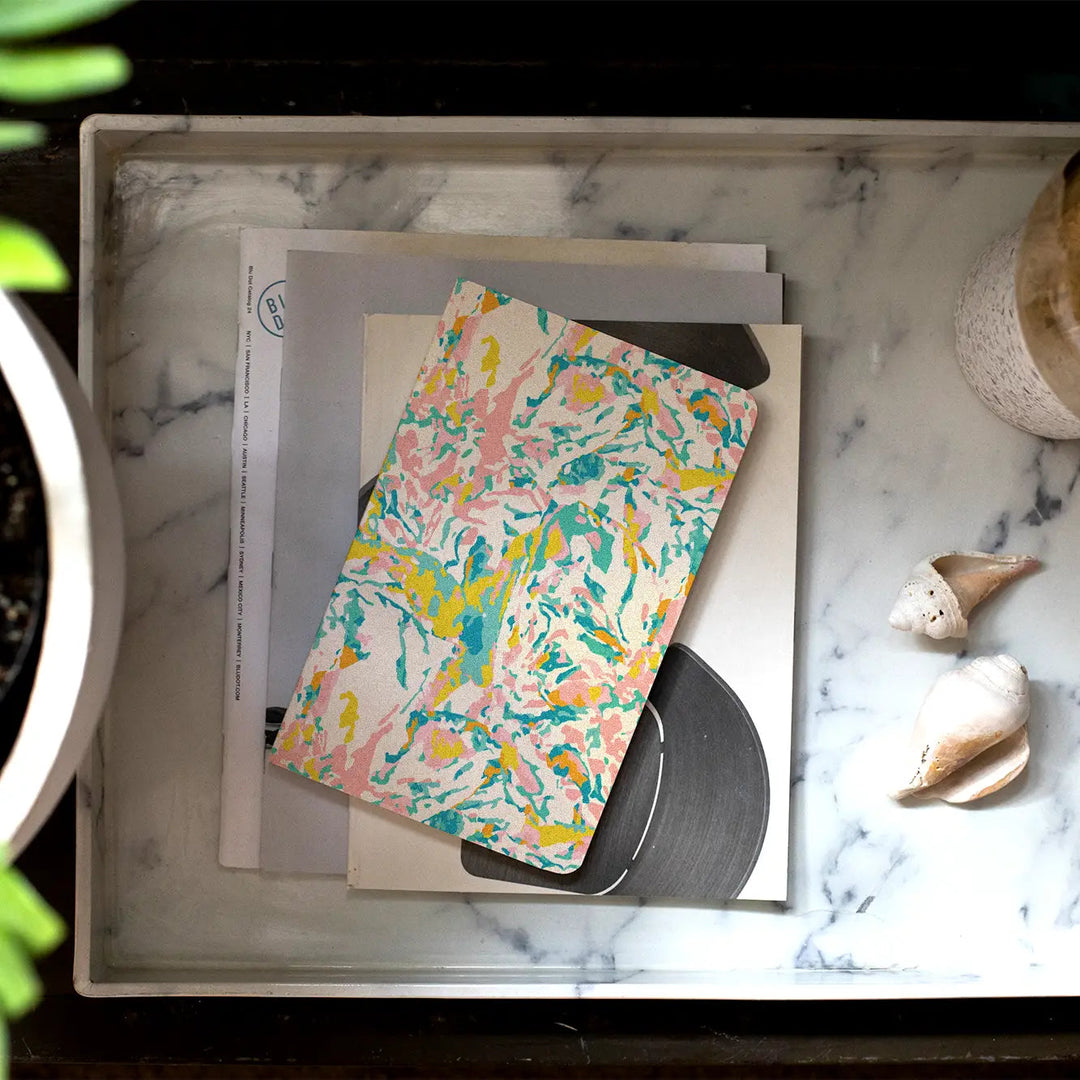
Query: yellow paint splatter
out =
(649, 400)
(446, 747)
(550, 835)
(508, 757)
(515, 637)
(490, 362)
(515, 550)
(697, 477)
(363, 549)
(349, 715)
(561, 834)
(478, 589)
(446, 482)
(689, 479)
(310, 769)
(447, 681)
(447, 620)
(554, 543)
(420, 585)
(574, 833)
(588, 391)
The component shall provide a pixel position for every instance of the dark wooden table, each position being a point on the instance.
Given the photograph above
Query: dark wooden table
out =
(967, 61)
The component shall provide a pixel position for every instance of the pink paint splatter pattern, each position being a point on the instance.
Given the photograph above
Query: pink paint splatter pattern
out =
(503, 610)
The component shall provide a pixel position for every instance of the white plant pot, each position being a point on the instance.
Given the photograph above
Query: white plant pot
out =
(84, 606)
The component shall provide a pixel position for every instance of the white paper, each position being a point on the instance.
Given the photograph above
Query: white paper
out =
(749, 566)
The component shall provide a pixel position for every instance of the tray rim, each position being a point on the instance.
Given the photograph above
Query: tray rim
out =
(584, 125)
(104, 137)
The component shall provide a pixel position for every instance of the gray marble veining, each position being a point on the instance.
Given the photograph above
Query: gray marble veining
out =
(899, 459)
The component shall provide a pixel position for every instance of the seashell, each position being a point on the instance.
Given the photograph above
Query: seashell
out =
(942, 590)
(990, 771)
(970, 735)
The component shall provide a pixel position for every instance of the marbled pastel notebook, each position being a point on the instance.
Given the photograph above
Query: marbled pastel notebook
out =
(515, 580)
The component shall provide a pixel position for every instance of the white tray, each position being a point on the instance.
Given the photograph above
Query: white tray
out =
(875, 224)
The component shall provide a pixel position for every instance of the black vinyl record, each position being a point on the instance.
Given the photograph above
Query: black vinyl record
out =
(687, 813)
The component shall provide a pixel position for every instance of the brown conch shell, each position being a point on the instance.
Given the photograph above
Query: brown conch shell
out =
(970, 736)
(942, 590)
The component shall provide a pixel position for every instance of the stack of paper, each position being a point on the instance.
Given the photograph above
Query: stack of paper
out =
(359, 324)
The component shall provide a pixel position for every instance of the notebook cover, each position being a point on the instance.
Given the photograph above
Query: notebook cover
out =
(514, 582)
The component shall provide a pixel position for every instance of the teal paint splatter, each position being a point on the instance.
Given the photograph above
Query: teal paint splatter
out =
(472, 632)
(582, 469)
(596, 590)
(600, 648)
(450, 821)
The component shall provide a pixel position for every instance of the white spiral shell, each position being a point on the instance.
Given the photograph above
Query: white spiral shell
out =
(970, 736)
(942, 590)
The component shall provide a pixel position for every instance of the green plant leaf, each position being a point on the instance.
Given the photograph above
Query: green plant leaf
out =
(27, 260)
(20, 988)
(20, 19)
(28, 75)
(28, 926)
(25, 917)
(19, 134)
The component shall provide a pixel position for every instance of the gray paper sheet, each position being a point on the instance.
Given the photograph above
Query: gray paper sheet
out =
(318, 469)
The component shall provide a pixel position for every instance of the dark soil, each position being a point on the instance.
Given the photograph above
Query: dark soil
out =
(22, 564)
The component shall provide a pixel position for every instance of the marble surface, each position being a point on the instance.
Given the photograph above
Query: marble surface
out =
(899, 459)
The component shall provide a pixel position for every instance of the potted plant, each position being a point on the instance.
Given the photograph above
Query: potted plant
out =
(61, 555)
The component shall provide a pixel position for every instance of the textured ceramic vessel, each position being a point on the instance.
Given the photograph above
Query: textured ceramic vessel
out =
(1018, 316)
